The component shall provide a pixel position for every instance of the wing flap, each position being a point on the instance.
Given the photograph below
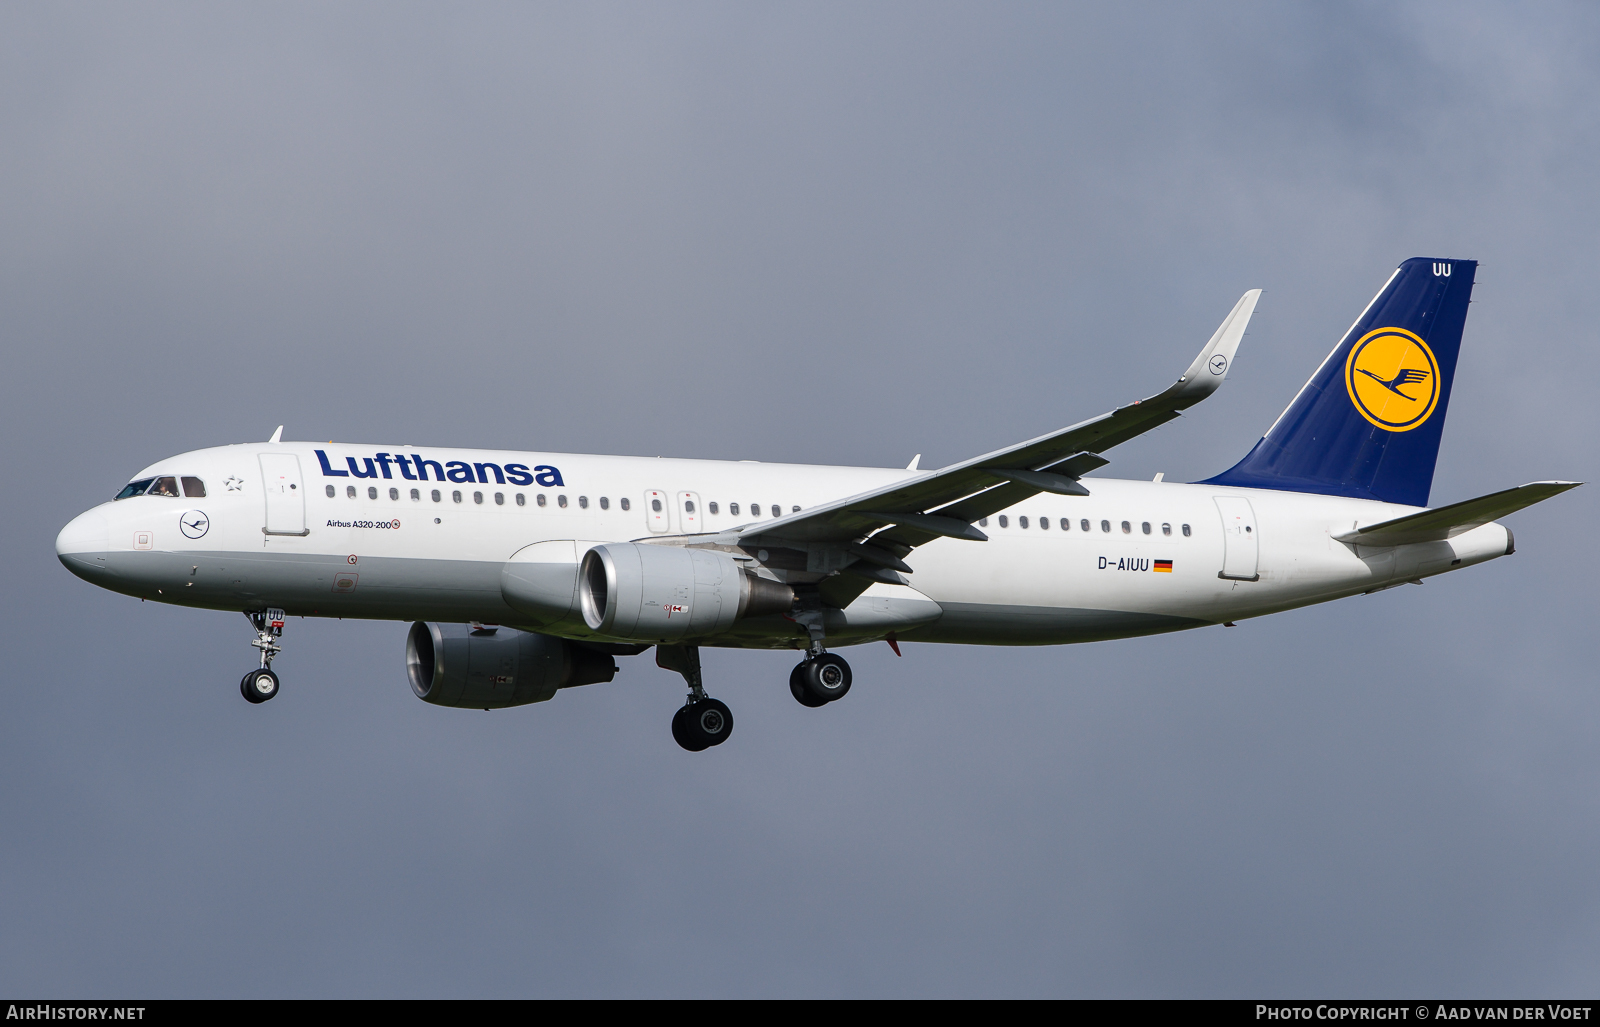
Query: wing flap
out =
(1446, 522)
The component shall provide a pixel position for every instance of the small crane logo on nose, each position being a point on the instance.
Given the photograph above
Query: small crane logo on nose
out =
(194, 524)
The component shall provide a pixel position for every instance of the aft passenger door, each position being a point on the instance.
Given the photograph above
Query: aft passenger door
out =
(286, 499)
(1241, 544)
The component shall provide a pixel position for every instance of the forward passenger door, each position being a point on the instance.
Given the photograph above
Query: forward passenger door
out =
(285, 492)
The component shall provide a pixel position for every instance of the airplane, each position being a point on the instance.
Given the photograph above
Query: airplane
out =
(523, 573)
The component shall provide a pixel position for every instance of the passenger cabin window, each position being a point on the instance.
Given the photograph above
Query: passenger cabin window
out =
(712, 507)
(1003, 522)
(394, 494)
(1083, 524)
(561, 501)
(605, 504)
(983, 522)
(1145, 527)
(655, 505)
(416, 495)
(777, 511)
(329, 490)
(436, 495)
(194, 488)
(733, 509)
(625, 503)
(1044, 524)
(1105, 525)
(372, 492)
(455, 496)
(1066, 524)
(521, 499)
(499, 499)
(350, 492)
(794, 509)
(583, 502)
(539, 499)
(477, 497)
(1166, 529)
(755, 509)
(164, 487)
(1022, 522)
(1127, 528)
(135, 488)
(1185, 531)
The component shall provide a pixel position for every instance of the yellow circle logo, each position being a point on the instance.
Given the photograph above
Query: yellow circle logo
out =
(1393, 379)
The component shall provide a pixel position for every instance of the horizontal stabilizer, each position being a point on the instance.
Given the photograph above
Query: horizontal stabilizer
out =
(1449, 521)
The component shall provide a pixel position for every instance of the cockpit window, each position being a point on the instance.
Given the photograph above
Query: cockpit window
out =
(135, 488)
(164, 487)
(194, 488)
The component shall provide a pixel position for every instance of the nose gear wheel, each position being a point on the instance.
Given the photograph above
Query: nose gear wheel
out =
(259, 685)
(262, 684)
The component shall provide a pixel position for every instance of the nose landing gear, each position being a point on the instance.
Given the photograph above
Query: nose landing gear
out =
(702, 721)
(262, 684)
(259, 685)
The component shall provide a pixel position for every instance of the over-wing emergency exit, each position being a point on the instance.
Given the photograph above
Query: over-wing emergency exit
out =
(523, 573)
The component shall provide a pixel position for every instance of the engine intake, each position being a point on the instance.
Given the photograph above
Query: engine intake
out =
(666, 593)
(453, 665)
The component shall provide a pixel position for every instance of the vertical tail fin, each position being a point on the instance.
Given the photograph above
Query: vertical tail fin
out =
(1368, 423)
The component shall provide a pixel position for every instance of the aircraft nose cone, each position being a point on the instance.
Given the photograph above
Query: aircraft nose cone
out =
(81, 547)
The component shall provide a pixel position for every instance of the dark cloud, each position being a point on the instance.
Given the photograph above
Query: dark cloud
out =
(814, 233)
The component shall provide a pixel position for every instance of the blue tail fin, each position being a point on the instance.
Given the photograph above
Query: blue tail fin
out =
(1367, 424)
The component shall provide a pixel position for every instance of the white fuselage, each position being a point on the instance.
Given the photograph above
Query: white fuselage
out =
(385, 547)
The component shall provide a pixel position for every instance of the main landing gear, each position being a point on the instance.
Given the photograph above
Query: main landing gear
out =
(703, 721)
(819, 679)
(260, 685)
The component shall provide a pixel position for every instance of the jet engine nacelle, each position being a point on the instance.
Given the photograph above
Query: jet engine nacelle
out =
(666, 593)
(454, 665)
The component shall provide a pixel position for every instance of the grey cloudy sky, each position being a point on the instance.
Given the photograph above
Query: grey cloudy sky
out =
(825, 233)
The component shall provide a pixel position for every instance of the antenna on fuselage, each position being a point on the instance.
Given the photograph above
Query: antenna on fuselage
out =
(277, 436)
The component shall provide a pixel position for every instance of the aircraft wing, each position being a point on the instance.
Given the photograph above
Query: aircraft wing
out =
(1447, 522)
(945, 502)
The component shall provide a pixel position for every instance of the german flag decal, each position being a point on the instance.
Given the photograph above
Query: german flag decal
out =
(1163, 566)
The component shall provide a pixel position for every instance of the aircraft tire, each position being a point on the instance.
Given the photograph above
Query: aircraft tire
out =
(797, 688)
(700, 725)
(827, 677)
(259, 685)
(680, 730)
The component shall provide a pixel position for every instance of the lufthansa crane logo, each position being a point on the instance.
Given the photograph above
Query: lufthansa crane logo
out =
(194, 524)
(1393, 379)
